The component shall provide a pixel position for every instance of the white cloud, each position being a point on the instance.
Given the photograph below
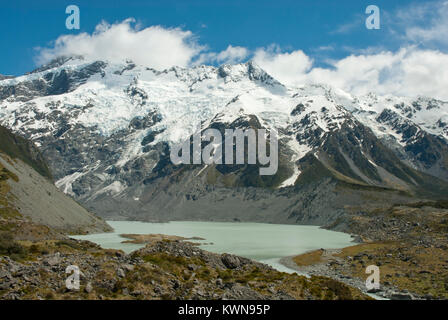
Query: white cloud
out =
(154, 46)
(287, 67)
(230, 55)
(407, 72)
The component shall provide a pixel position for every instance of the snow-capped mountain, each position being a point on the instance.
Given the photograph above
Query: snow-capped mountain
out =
(107, 128)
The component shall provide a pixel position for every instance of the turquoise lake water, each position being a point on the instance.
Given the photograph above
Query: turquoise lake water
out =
(262, 242)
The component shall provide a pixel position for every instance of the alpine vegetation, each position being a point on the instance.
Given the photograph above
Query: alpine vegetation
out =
(212, 153)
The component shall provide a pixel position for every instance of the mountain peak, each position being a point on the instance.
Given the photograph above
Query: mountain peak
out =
(250, 70)
(56, 62)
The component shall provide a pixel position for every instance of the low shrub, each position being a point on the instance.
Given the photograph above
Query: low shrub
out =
(9, 247)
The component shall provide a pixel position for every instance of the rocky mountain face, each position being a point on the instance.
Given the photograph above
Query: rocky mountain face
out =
(107, 130)
(31, 207)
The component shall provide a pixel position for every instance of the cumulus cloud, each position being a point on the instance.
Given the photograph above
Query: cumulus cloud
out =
(154, 46)
(230, 55)
(287, 67)
(408, 72)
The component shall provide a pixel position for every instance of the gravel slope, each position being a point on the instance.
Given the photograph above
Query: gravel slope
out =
(36, 198)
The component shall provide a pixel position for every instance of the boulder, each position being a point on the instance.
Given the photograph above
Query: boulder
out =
(230, 261)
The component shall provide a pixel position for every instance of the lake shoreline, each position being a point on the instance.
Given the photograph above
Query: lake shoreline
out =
(323, 270)
(256, 241)
(144, 233)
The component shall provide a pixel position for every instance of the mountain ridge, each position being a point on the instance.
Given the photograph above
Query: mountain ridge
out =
(107, 130)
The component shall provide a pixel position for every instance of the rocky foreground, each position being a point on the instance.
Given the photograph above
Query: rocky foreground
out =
(161, 270)
(408, 243)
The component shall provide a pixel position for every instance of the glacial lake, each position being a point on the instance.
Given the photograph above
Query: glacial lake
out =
(267, 243)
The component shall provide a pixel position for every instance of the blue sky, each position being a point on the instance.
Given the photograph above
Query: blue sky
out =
(307, 25)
